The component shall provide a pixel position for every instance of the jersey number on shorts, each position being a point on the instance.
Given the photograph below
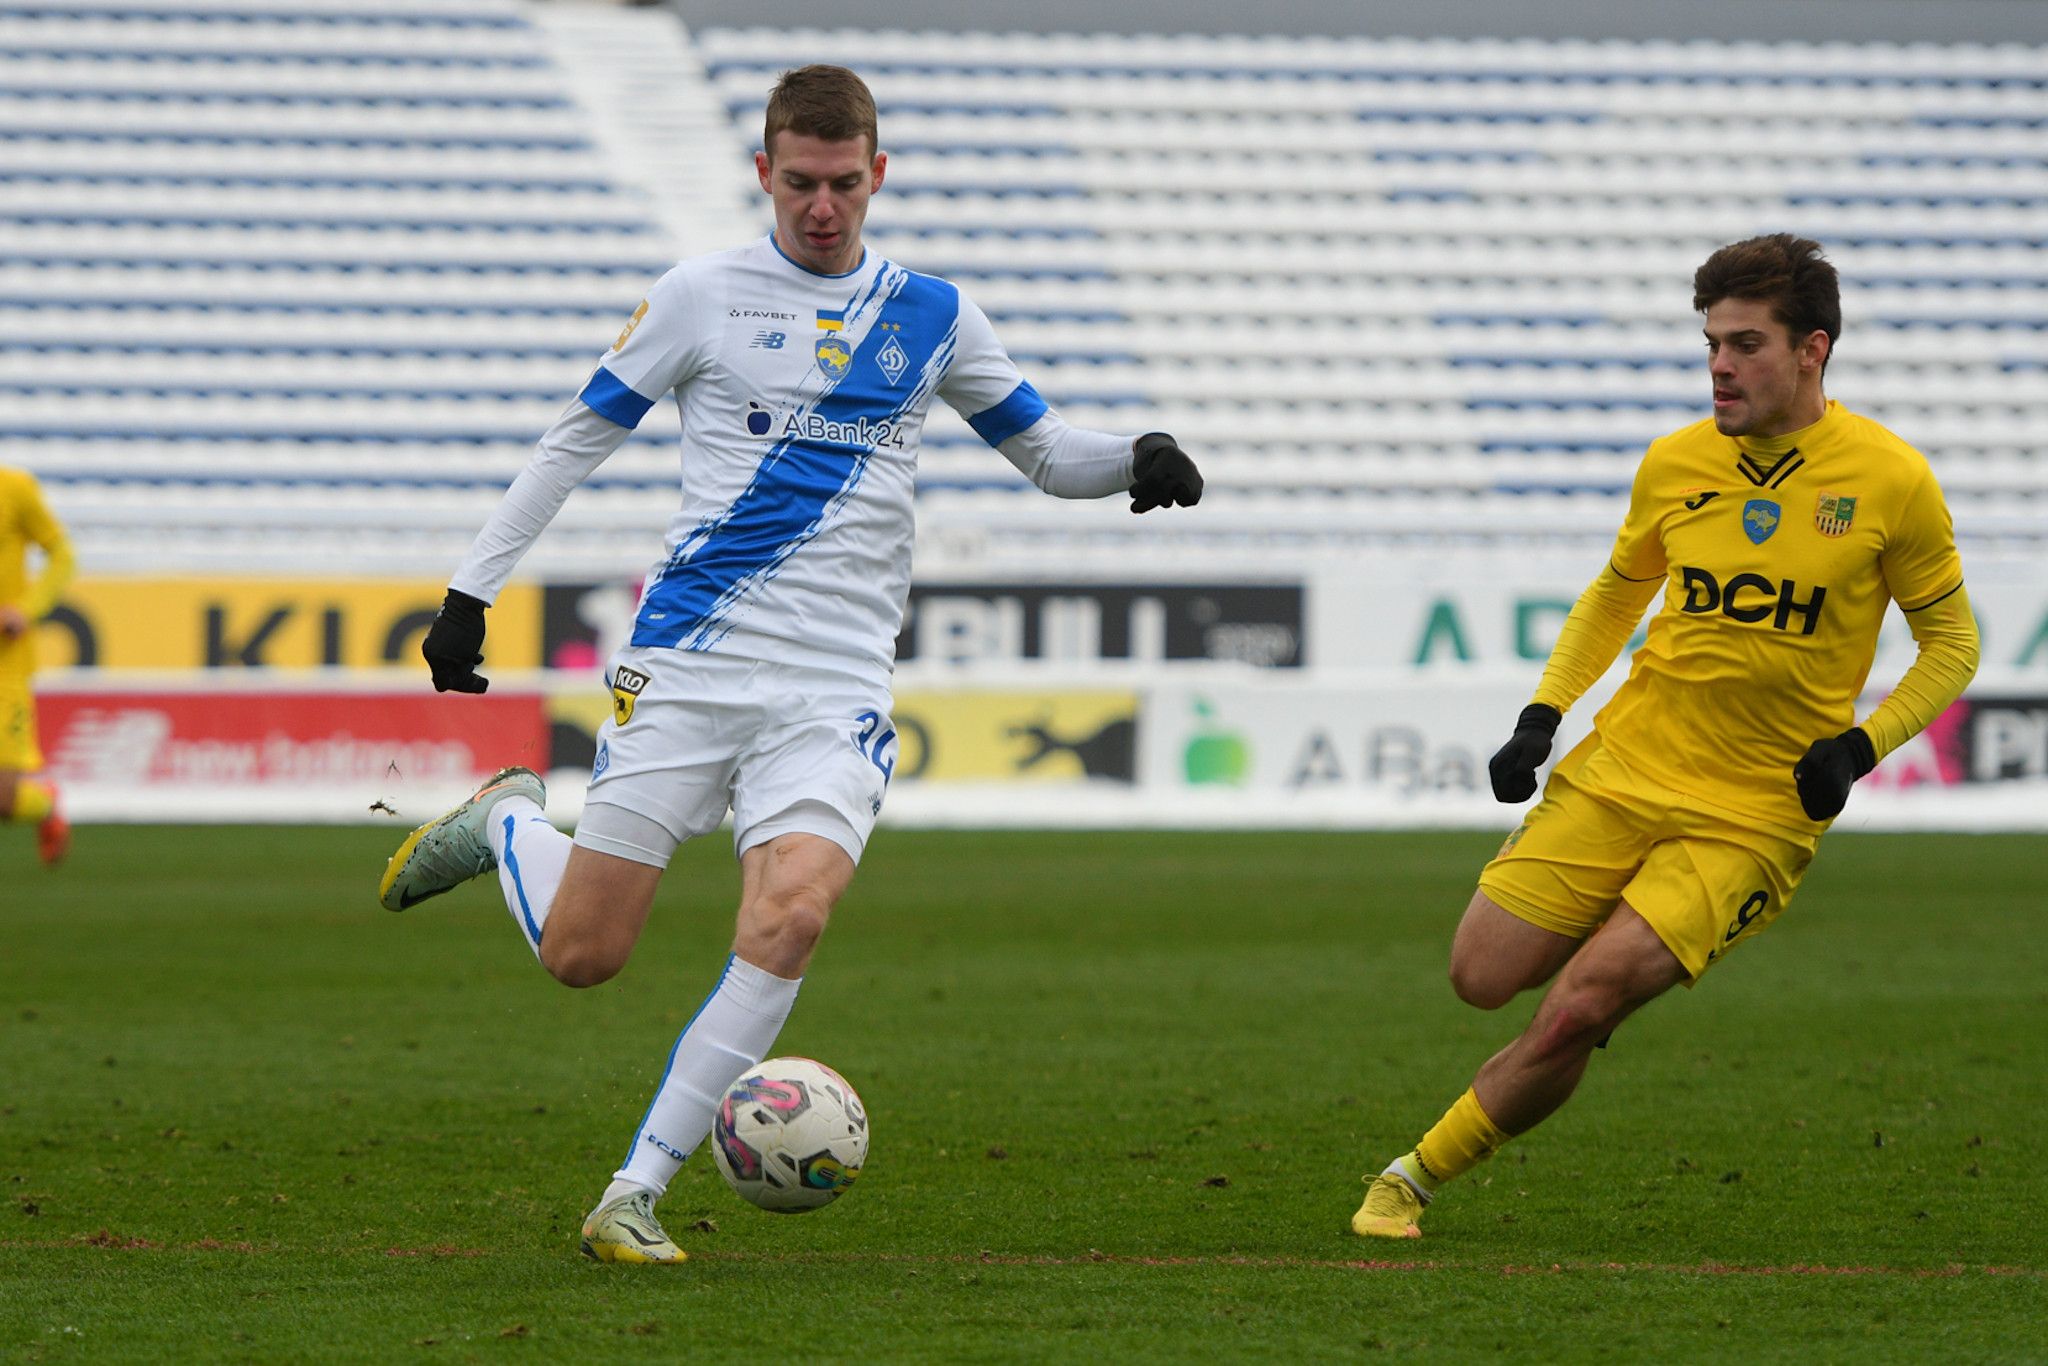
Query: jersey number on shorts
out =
(870, 722)
(1745, 915)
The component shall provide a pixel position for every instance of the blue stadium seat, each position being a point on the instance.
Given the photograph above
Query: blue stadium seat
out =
(268, 265)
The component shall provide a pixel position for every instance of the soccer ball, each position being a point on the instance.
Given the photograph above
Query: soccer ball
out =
(789, 1135)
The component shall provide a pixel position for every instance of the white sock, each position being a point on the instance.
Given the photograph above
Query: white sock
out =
(1405, 1167)
(620, 1186)
(733, 1030)
(531, 856)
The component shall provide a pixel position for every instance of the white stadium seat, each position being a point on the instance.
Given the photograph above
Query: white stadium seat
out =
(285, 286)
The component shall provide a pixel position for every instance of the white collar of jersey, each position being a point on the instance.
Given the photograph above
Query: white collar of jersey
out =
(858, 267)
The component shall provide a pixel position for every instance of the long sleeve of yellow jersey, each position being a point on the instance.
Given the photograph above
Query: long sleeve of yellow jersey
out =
(1946, 633)
(1593, 634)
(60, 563)
(58, 560)
(35, 525)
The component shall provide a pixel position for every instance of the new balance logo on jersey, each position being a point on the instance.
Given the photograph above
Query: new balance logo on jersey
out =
(859, 432)
(768, 341)
(1752, 598)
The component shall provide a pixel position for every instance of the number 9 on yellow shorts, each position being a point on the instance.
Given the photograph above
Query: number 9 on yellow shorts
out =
(1705, 879)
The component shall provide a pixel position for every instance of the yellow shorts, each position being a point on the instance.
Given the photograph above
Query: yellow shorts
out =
(1705, 879)
(18, 750)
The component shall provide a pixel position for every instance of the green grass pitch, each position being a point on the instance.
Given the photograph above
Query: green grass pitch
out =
(1123, 1088)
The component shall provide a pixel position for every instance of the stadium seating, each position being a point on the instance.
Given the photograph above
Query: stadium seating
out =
(298, 283)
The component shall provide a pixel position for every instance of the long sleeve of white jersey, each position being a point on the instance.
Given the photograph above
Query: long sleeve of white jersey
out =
(1071, 462)
(985, 387)
(656, 352)
(580, 440)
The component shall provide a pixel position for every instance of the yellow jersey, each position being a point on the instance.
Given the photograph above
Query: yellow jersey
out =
(25, 520)
(1778, 557)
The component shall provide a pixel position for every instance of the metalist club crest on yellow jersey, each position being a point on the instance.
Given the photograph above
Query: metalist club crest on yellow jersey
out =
(626, 686)
(1833, 513)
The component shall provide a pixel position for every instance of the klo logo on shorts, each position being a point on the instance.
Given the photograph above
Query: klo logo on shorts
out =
(626, 686)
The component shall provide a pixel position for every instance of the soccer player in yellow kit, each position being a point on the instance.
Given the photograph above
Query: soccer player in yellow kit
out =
(25, 520)
(1779, 530)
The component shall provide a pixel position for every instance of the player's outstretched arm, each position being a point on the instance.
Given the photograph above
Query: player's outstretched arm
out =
(60, 561)
(578, 442)
(1162, 474)
(653, 353)
(1591, 639)
(1946, 632)
(984, 387)
(455, 644)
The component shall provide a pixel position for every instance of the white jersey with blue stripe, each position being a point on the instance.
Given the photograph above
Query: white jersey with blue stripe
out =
(803, 399)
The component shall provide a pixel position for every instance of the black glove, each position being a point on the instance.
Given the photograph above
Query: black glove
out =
(1513, 765)
(1164, 474)
(455, 644)
(1828, 768)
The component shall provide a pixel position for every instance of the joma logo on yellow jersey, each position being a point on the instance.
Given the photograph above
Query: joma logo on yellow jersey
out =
(1752, 598)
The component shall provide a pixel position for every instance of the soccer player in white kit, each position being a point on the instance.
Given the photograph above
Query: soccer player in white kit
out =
(757, 673)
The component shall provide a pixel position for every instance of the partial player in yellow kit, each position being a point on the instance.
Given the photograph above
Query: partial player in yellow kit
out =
(1780, 531)
(25, 520)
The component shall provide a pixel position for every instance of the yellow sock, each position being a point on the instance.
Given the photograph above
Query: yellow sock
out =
(32, 802)
(1460, 1141)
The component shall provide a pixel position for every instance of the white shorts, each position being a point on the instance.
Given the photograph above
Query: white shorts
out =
(791, 750)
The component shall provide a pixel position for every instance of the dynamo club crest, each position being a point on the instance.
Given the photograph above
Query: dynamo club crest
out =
(1760, 517)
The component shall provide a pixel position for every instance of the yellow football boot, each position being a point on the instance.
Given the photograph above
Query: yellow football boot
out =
(1391, 1209)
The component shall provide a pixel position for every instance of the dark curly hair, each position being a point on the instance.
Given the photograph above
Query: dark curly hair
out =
(1788, 272)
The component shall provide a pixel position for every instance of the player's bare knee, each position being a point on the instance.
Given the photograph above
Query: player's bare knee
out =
(1483, 986)
(579, 963)
(798, 921)
(1577, 1020)
(778, 930)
